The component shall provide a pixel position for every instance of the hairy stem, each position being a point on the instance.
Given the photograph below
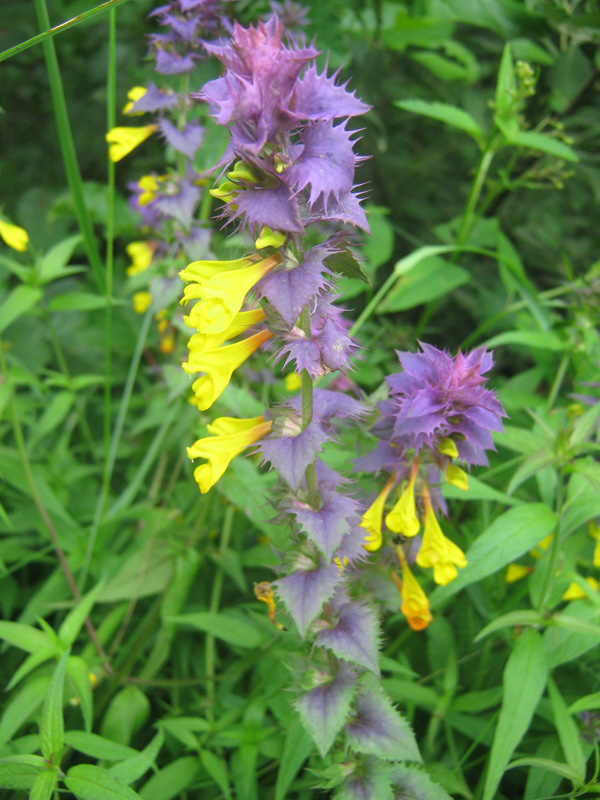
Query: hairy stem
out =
(307, 413)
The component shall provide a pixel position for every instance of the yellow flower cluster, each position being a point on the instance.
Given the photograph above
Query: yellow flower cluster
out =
(220, 288)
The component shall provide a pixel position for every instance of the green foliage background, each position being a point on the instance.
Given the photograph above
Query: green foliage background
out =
(480, 234)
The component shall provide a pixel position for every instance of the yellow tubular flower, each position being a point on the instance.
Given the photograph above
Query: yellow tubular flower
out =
(241, 322)
(447, 447)
(514, 572)
(415, 605)
(141, 302)
(437, 551)
(269, 238)
(14, 236)
(457, 477)
(575, 592)
(403, 516)
(223, 296)
(149, 184)
(140, 254)
(293, 382)
(219, 364)
(202, 271)
(543, 546)
(264, 592)
(134, 95)
(232, 437)
(123, 140)
(373, 517)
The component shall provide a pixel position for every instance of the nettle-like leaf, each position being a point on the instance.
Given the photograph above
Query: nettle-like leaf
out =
(369, 781)
(324, 709)
(304, 592)
(327, 526)
(376, 728)
(355, 636)
(291, 455)
(412, 783)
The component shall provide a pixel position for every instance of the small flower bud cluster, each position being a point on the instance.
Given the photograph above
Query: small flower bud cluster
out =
(289, 165)
(438, 411)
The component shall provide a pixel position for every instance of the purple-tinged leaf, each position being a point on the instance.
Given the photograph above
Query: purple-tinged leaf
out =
(369, 781)
(335, 346)
(289, 290)
(323, 710)
(179, 206)
(275, 208)
(327, 526)
(153, 100)
(412, 783)
(291, 455)
(378, 729)
(186, 141)
(318, 98)
(355, 636)
(304, 592)
(168, 62)
(304, 352)
(326, 162)
(352, 549)
(328, 404)
(346, 208)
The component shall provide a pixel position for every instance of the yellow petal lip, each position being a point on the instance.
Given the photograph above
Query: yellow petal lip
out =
(437, 551)
(373, 518)
(240, 323)
(514, 572)
(415, 605)
(140, 254)
(403, 517)
(447, 447)
(123, 140)
(14, 236)
(133, 96)
(269, 238)
(575, 592)
(221, 449)
(457, 477)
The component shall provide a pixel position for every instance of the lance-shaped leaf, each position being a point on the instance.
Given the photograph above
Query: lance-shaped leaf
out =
(291, 455)
(378, 729)
(324, 709)
(355, 636)
(327, 526)
(369, 781)
(304, 592)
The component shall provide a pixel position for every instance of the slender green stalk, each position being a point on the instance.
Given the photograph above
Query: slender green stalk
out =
(114, 444)
(215, 601)
(555, 548)
(48, 524)
(559, 378)
(111, 118)
(67, 147)
(307, 414)
(374, 302)
(485, 163)
(64, 26)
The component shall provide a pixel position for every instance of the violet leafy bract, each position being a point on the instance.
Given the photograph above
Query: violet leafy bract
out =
(324, 709)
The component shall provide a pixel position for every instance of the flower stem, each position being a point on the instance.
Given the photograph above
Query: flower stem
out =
(67, 147)
(555, 548)
(307, 413)
(111, 116)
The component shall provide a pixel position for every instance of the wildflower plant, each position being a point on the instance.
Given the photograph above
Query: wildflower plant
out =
(290, 170)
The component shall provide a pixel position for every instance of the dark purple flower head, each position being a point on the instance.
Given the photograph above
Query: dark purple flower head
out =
(437, 397)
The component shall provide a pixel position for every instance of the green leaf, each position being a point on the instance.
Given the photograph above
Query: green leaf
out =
(323, 710)
(584, 426)
(412, 783)
(126, 714)
(546, 144)
(44, 785)
(94, 783)
(545, 340)
(54, 414)
(22, 706)
(238, 632)
(79, 673)
(532, 465)
(75, 619)
(524, 617)
(478, 490)
(23, 636)
(183, 729)
(505, 84)
(21, 300)
(32, 662)
(90, 744)
(588, 703)
(217, 769)
(17, 776)
(133, 768)
(52, 264)
(564, 643)
(297, 747)
(81, 301)
(546, 763)
(567, 732)
(508, 537)
(434, 278)
(524, 680)
(444, 112)
(52, 730)
(576, 624)
(173, 779)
